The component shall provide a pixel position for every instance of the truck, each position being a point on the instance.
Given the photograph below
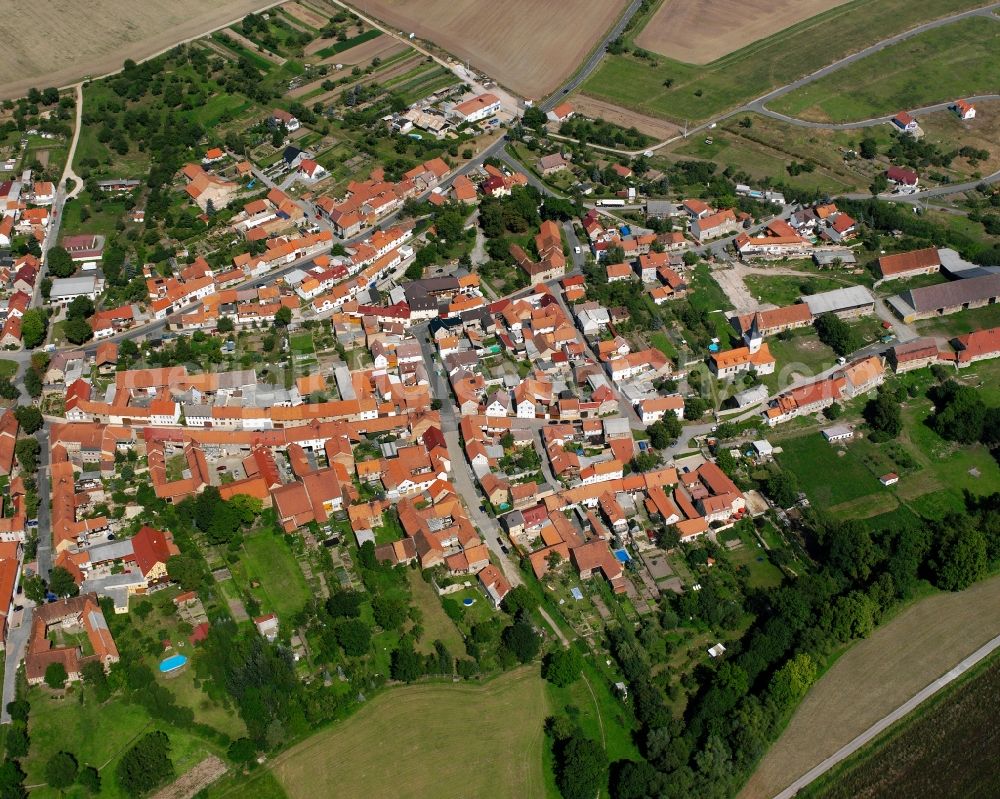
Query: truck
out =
(616, 203)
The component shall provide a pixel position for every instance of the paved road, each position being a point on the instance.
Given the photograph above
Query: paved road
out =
(865, 123)
(17, 639)
(885, 722)
(593, 61)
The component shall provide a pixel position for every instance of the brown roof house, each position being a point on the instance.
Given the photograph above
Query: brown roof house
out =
(51, 641)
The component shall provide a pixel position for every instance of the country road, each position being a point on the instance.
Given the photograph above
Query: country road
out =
(888, 720)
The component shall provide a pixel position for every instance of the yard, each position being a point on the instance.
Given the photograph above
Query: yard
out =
(436, 623)
(97, 735)
(448, 740)
(828, 474)
(786, 289)
(267, 560)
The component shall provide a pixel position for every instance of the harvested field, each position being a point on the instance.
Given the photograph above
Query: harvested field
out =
(306, 15)
(450, 741)
(948, 747)
(700, 31)
(659, 129)
(51, 52)
(876, 676)
(525, 45)
(379, 77)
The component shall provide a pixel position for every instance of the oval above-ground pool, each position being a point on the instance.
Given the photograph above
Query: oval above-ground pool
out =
(172, 663)
(468, 602)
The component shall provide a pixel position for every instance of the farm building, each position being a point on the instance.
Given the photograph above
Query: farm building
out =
(946, 298)
(846, 303)
(908, 264)
(914, 355)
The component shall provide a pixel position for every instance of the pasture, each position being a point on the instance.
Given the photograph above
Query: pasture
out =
(51, 51)
(946, 747)
(877, 675)
(449, 741)
(677, 91)
(956, 60)
(701, 31)
(527, 46)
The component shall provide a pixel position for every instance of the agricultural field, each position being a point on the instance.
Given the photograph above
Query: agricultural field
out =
(877, 675)
(449, 741)
(51, 52)
(681, 91)
(511, 42)
(699, 32)
(958, 60)
(947, 748)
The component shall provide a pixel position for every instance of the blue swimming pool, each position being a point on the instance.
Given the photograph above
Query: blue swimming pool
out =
(622, 555)
(468, 602)
(172, 663)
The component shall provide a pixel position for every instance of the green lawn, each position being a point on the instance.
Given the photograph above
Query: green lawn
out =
(436, 623)
(803, 351)
(8, 368)
(956, 60)
(786, 289)
(663, 344)
(763, 573)
(700, 92)
(827, 477)
(958, 324)
(269, 561)
(302, 344)
(96, 735)
(87, 214)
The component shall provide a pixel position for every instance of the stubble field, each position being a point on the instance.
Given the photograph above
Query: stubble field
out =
(61, 41)
(526, 45)
(446, 741)
(700, 31)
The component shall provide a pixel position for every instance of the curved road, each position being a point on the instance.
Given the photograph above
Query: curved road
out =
(863, 123)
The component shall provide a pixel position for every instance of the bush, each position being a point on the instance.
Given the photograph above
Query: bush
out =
(61, 770)
(521, 641)
(562, 667)
(55, 675)
(146, 765)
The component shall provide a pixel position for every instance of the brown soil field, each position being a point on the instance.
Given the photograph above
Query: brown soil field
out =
(876, 676)
(383, 46)
(590, 107)
(526, 45)
(51, 52)
(700, 31)
(306, 15)
(319, 44)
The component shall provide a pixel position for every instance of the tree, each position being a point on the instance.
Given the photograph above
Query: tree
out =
(90, 778)
(835, 333)
(960, 413)
(78, 331)
(283, 317)
(354, 636)
(390, 614)
(29, 417)
(61, 582)
(519, 599)
(562, 666)
(884, 416)
(55, 675)
(868, 148)
(34, 327)
(631, 780)
(242, 750)
(405, 664)
(581, 767)
(533, 118)
(694, 408)
(27, 450)
(61, 770)
(959, 553)
(59, 262)
(782, 487)
(80, 308)
(33, 382)
(665, 432)
(225, 325)
(345, 604)
(878, 185)
(145, 765)
(247, 508)
(521, 640)
(34, 589)
(186, 570)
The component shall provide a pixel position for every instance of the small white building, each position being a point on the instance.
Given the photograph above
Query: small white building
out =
(67, 289)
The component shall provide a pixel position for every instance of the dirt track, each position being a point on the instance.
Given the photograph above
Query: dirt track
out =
(49, 49)
(700, 31)
(526, 45)
(876, 676)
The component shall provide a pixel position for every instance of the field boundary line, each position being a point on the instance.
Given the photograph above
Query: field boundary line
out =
(597, 707)
(887, 721)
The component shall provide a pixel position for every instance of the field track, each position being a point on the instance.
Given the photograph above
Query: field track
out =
(50, 51)
(876, 676)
